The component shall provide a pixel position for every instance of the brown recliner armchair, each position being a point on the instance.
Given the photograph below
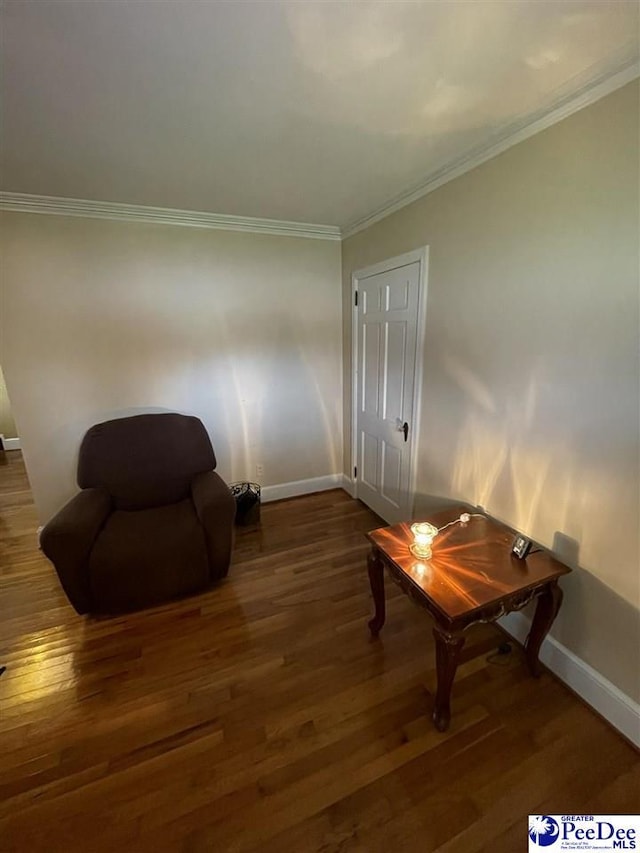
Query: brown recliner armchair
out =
(153, 520)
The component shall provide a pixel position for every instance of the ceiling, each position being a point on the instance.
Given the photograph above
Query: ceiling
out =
(307, 111)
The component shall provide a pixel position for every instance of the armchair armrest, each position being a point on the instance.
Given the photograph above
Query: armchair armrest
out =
(67, 540)
(216, 510)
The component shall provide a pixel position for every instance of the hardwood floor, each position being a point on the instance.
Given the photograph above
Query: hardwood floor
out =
(261, 717)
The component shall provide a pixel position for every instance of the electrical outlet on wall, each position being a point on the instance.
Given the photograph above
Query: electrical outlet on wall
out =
(259, 470)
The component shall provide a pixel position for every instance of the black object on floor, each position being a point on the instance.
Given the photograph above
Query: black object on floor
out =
(247, 497)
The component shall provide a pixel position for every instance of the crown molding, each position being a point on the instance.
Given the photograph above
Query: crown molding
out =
(508, 136)
(25, 203)
(505, 138)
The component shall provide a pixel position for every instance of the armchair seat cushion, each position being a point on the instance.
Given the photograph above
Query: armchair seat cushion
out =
(143, 557)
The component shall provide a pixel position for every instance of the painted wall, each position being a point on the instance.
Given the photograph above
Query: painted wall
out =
(531, 390)
(7, 423)
(102, 319)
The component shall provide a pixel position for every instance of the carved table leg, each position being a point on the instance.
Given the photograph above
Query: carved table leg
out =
(546, 611)
(448, 648)
(376, 580)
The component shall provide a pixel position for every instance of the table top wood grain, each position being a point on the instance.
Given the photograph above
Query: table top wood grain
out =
(471, 566)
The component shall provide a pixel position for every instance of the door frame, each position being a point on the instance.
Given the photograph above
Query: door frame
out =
(421, 256)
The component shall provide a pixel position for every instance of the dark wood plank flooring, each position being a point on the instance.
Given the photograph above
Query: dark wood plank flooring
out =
(261, 717)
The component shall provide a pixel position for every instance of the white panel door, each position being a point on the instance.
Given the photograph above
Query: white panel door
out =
(387, 323)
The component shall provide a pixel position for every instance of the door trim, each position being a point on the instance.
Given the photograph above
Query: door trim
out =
(422, 257)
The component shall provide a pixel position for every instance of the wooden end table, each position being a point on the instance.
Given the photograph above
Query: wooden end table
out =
(471, 577)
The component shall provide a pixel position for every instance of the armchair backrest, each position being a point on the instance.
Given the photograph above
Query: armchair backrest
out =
(145, 460)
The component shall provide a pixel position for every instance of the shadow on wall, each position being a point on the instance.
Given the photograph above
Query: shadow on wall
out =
(530, 459)
(498, 457)
(252, 371)
(594, 619)
(282, 385)
(262, 386)
(425, 504)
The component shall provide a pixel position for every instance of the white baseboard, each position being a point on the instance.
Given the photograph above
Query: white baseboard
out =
(348, 485)
(615, 706)
(10, 443)
(301, 487)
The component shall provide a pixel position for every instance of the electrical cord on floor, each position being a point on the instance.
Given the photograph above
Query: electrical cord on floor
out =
(501, 656)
